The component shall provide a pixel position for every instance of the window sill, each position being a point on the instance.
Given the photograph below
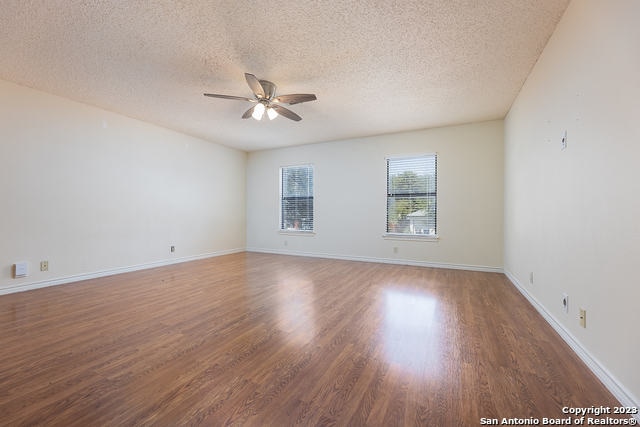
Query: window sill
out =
(297, 233)
(416, 237)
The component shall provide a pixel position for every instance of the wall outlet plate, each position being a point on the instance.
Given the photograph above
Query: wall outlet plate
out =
(583, 317)
(565, 303)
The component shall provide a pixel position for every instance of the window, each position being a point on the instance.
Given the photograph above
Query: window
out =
(296, 198)
(411, 195)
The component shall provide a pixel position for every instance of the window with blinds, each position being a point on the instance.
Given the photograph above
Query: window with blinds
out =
(411, 195)
(296, 198)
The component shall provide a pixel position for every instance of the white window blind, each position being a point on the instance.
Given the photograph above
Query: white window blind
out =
(412, 195)
(296, 198)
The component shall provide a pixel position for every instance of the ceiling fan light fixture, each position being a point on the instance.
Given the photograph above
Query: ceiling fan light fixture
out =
(272, 113)
(265, 100)
(258, 111)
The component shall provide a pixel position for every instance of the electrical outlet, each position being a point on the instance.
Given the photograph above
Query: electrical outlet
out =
(563, 143)
(531, 278)
(565, 303)
(173, 249)
(44, 265)
(583, 317)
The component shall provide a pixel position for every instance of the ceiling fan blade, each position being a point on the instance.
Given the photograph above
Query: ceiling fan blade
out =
(286, 112)
(295, 98)
(255, 85)
(249, 112)
(239, 98)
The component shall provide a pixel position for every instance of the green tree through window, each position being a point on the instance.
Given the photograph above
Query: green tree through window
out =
(411, 195)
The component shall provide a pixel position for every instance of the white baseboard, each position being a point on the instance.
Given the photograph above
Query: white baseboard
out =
(625, 397)
(93, 275)
(381, 260)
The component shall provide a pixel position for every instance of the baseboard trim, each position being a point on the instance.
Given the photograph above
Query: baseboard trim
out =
(103, 273)
(381, 260)
(625, 397)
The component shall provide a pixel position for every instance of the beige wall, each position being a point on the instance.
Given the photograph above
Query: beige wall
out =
(572, 217)
(92, 191)
(350, 197)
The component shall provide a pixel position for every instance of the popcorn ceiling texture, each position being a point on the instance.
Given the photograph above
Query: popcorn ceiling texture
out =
(376, 66)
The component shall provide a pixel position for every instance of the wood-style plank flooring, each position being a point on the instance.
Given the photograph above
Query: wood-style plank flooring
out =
(268, 340)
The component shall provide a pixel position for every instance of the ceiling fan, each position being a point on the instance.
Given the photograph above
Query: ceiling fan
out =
(266, 100)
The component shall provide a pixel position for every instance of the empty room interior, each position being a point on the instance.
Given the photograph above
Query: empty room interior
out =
(319, 213)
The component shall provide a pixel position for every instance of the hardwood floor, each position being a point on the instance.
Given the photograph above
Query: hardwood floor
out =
(268, 340)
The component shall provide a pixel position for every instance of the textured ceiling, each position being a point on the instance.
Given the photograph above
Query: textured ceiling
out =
(376, 66)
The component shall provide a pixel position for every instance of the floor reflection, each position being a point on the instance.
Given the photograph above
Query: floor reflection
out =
(296, 312)
(410, 331)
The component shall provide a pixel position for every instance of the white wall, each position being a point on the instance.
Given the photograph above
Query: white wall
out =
(350, 197)
(573, 217)
(92, 191)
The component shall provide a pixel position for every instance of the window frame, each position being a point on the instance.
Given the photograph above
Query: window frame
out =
(282, 230)
(410, 236)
